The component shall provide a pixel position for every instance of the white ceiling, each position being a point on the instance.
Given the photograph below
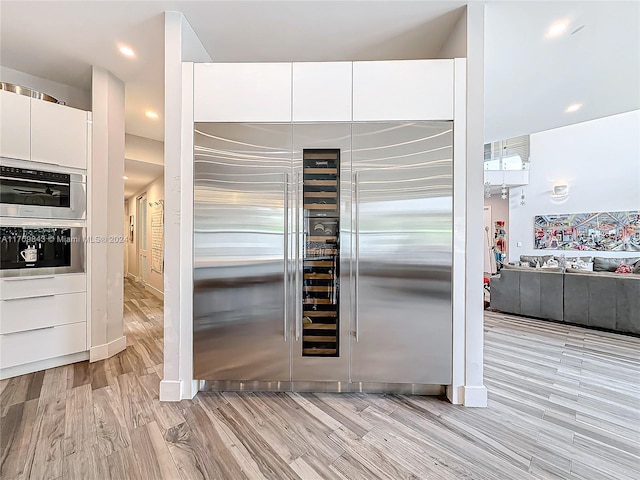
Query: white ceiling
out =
(529, 79)
(140, 174)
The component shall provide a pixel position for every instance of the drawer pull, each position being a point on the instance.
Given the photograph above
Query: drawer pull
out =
(27, 298)
(31, 330)
(22, 279)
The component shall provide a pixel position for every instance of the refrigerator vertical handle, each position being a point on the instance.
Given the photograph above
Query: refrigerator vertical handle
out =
(356, 251)
(298, 271)
(286, 253)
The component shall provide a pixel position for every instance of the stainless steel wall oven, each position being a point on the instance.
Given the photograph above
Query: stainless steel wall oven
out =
(32, 192)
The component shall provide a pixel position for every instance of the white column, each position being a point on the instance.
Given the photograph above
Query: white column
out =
(455, 391)
(171, 385)
(106, 210)
(475, 393)
(181, 44)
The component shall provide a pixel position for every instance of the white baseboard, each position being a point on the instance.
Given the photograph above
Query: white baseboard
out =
(106, 350)
(455, 394)
(154, 290)
(190, 389)
(170, 390)
(475, 396)
(42, 365)
(132, 277)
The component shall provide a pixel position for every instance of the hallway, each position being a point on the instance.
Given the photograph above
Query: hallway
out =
(563, 403)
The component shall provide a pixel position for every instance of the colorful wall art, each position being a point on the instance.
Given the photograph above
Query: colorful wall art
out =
(608, 231)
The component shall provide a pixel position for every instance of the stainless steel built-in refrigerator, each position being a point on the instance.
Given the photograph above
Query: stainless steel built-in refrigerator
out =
(322, 256)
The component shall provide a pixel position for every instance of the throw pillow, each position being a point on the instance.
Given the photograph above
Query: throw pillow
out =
(533, 259)
(624, 268)
(636, 269)
(602, 264)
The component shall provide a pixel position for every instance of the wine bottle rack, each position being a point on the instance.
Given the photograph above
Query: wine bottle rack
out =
(321, 258)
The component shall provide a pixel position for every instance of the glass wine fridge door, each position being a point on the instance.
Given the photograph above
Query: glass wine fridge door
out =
(321, 257)
(322, 158)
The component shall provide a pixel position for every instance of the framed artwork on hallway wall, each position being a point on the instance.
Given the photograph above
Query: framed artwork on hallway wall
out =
(131, 227)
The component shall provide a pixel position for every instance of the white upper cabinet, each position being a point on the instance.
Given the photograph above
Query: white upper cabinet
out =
(242, 92)
(15, 141)
(58, 134)
(322, 92)
(403, 90)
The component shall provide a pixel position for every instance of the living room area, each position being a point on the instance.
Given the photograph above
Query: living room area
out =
(565, 246)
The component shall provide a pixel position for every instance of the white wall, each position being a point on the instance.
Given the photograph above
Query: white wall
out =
(455, 46)
(125, 233)
(499, 211)
(105, 217)
(72, 96)
(599, 160)
(155, 193)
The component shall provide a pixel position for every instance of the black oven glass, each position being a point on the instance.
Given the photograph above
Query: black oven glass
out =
(23, 186)
(34, 247)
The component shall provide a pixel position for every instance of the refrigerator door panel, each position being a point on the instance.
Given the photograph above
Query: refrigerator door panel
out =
(242, 245)
(311, 225)
(402, 252)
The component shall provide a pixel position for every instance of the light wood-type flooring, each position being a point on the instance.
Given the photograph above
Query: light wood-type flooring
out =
(563, 403)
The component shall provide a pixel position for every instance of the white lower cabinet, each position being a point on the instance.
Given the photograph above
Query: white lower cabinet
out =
(42, 318)
(34, 345)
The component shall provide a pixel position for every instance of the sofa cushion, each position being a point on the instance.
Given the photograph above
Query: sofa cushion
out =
(532, 269)
(601, 264)
(532, 259)
(575, 259)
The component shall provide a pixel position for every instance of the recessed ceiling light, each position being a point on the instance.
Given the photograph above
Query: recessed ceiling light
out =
(127, 51)
(125, 177)
(556, 29)
(151, 114)
(573, 108)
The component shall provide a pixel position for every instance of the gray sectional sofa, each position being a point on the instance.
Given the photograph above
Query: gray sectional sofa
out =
(600, 299)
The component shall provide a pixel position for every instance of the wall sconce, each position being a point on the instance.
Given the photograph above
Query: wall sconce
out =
(560, 191)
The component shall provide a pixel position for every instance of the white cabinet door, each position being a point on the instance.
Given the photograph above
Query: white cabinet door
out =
(15, 141)
(58, 134)
(41, 311)
(34, 345)
(403, 90)
(322, 92)
(242, 92)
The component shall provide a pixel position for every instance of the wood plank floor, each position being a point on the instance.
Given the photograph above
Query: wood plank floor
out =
(564, 402)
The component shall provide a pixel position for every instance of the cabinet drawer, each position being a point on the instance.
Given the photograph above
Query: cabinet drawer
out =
(21, 287)
(30, 313)
(35, 345)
